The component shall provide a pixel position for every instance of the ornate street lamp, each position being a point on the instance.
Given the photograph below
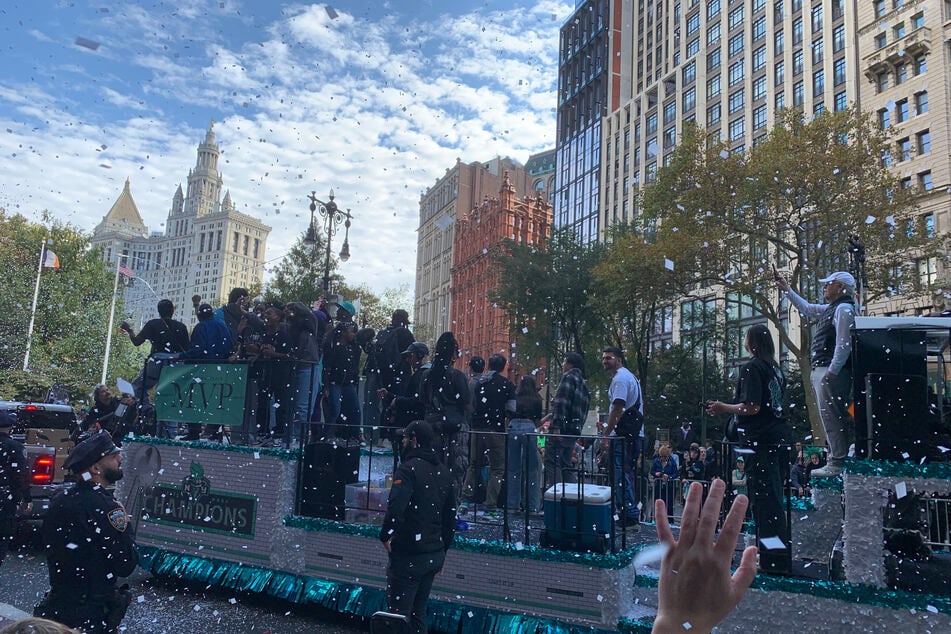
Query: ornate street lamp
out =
(331, 216)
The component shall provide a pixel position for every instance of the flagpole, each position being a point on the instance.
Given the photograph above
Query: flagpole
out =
(36, 297)
(112, 312)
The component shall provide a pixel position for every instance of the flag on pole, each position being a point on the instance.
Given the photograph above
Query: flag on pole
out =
(50, 259)
(126, 271)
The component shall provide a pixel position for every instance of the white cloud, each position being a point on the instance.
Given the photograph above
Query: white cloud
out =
(377, 107)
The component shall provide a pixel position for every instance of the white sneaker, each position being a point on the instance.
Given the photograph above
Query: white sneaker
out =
(828, 471)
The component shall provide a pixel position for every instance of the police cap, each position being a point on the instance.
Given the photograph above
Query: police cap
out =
(90, 451)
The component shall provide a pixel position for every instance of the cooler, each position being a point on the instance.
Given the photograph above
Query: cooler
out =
(577, 517)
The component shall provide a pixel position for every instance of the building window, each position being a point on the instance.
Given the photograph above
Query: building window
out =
(759, 58)
(797, 94)
(797, 64)
(737, 129)
(234, 246)
(690, 73)
(736, 17)
(921, 64)
(817, 19)
(713, 86)
(713, 34)
(838, 38)
(905, 183)
(670, 111)
(778, 43)
(737, 72)
(736, 102)
(797, 31)
(736, 44)
(758, 5)
(881, 81)
(778, 11)
(898, 31)
(901, 110)
(759, 28)
(924, 182)
(881, 40)
(818, 53)
(257, 247)
(838, 71)
(923, 142)
(918, 20)
(759, 88)
(927, 271)
(901, 73)
(927, 221)
(759, 118)
(841, 101)
(693, 23)
(818, 108)
(884, 119)
(651, 124)
(713, 114)
(670, 137)
(693, 47)
(904, 149)
(779, 73)
(780, 99)
(713, 9)
(713, 60)
(690, 99)
(921, 102)
(818, 83)
(880, 9)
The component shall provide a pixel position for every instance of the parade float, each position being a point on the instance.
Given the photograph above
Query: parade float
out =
(870, 549)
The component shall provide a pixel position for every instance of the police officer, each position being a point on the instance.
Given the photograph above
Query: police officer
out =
(89, 543)
(419, 524)
(14, 481)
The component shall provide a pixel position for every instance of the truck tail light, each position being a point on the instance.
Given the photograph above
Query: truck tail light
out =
(43, 470)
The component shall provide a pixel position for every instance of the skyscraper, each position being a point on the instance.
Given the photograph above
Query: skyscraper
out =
(208, 247)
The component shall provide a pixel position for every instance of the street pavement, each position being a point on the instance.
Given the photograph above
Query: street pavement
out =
(161, 606)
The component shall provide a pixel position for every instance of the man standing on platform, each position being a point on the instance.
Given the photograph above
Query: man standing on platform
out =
(569, 412)
(831, 360)
(419, 525)
(626, 426)
(168, 337)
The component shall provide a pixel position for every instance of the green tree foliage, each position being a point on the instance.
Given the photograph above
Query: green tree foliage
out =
(376, 311)
(299, 276)
(793, 200)
(69, 334)
(544, 291)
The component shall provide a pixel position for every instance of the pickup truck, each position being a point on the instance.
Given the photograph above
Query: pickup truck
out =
(45, 430)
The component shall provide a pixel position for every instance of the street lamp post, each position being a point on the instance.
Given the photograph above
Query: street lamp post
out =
(331, 216)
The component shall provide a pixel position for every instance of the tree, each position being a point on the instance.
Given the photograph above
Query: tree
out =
(544, 292)
(69, 335)
(792, 200)
(376, 311)
(299, 276)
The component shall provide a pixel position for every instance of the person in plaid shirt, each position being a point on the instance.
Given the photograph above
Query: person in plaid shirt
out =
(569, 411)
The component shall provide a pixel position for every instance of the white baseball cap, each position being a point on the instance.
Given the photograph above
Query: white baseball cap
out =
(842, 277)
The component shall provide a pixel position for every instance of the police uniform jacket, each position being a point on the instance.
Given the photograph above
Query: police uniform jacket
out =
(88, 541)
(14, 474)
(421, 514)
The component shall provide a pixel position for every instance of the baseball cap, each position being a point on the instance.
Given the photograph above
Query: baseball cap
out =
(841, 277)
(418, 348)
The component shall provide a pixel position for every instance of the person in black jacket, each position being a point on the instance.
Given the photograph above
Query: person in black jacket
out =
(341, 379)
(14, 481)
(89, 543)
(168, 337)
(419, 525)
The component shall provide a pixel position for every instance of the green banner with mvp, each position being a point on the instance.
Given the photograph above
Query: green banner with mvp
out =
(210, 393)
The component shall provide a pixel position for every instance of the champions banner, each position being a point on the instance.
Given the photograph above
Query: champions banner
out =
(212, 393)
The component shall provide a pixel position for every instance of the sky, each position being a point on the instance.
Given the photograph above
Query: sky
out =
(373, 99)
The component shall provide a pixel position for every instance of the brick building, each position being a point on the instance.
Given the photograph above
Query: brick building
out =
(482, 328)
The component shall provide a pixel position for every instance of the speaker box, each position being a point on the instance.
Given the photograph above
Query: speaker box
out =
(327, 468)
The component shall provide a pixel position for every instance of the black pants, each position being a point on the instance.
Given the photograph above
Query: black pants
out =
(765, 485)
(90, 614)
(409, 579)
(8, 526)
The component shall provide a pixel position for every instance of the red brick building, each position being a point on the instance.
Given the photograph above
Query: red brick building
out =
(481, 327)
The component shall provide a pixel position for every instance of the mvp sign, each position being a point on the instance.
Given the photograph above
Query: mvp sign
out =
(212, 393)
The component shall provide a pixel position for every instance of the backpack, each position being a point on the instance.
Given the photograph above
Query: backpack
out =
(386, 354)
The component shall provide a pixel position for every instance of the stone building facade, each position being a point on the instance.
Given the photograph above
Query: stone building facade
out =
(207, 248)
